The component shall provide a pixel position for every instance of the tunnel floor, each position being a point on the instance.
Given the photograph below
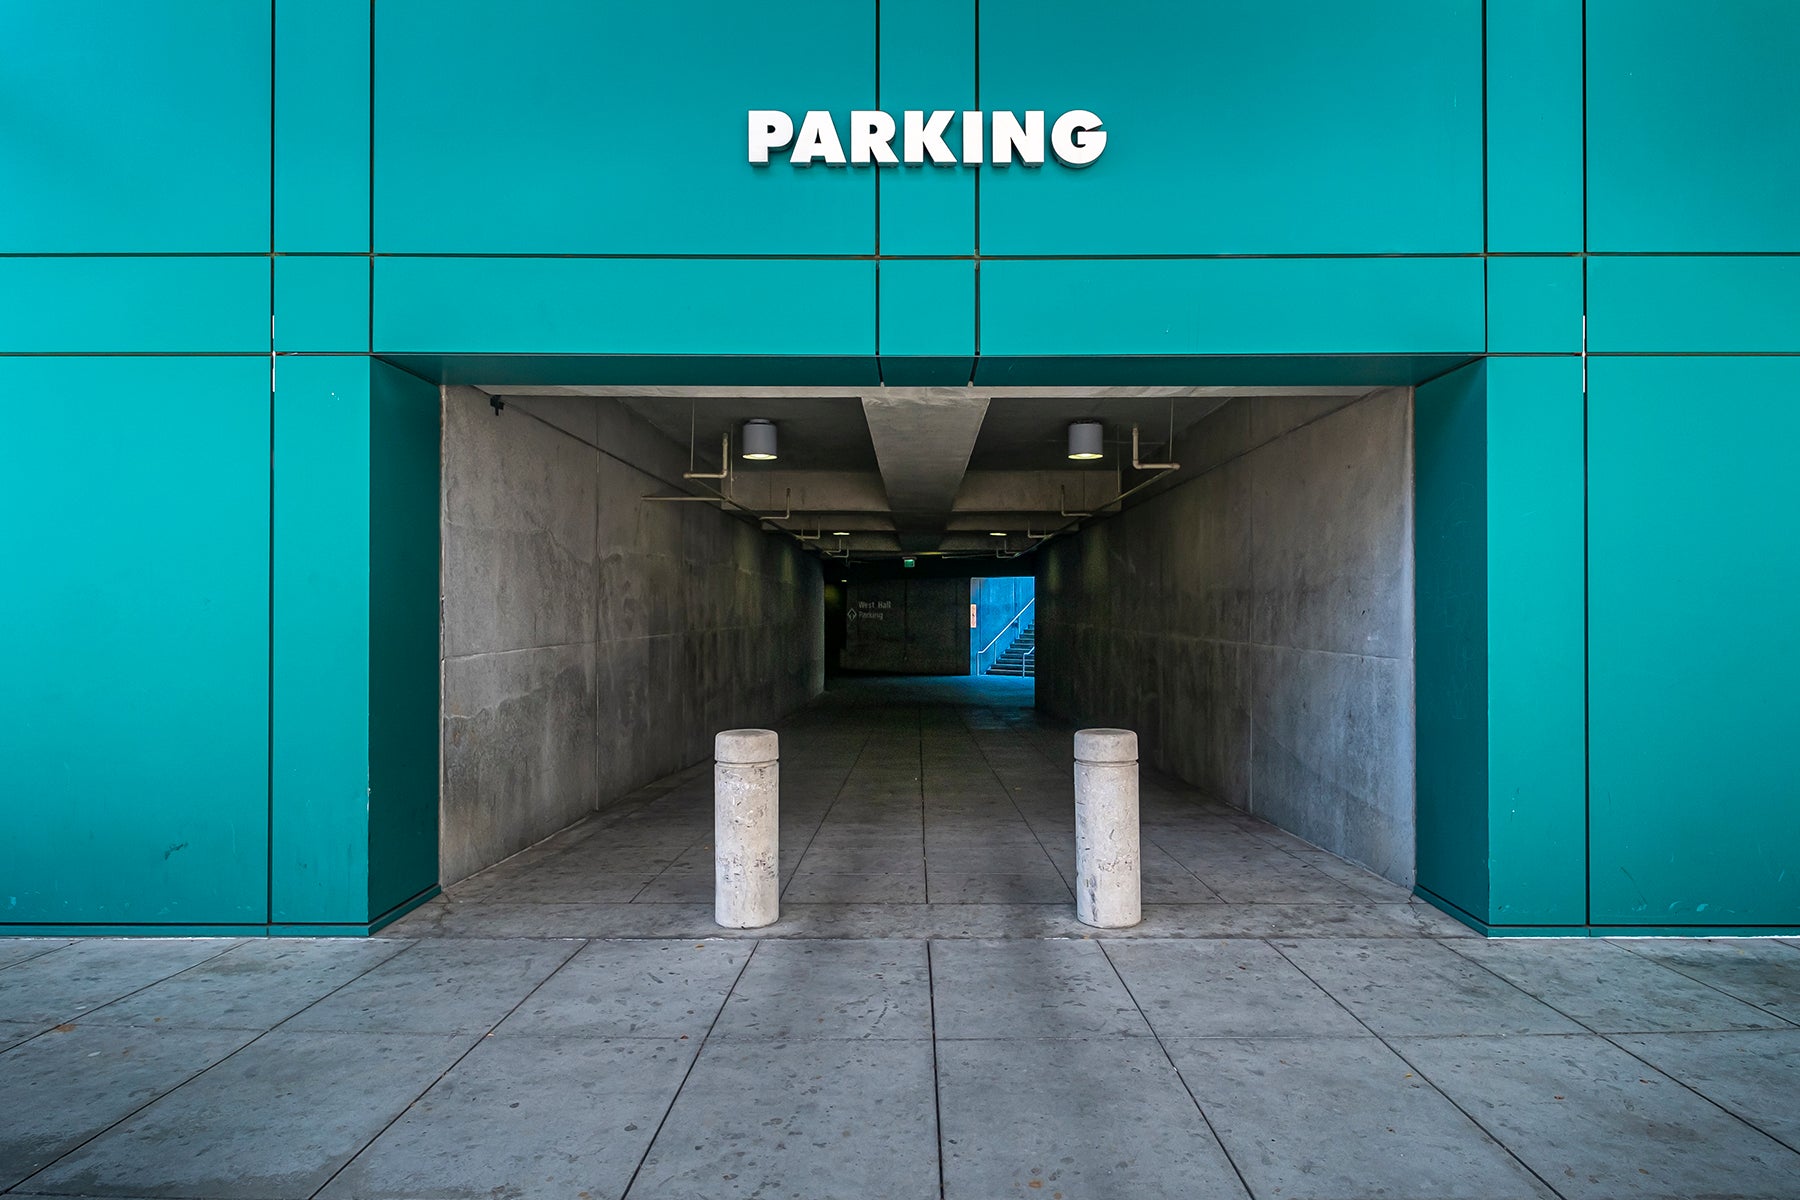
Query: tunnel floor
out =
(936, 807)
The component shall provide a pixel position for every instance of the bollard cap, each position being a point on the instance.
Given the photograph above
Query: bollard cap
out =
(1105, 746)
(746, 746)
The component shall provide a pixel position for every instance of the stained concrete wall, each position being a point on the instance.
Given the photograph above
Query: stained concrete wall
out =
(910, 626)
(593, 642)
(1255, 623)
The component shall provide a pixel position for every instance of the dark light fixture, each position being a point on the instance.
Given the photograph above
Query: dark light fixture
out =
(1087, 440)
(758, 440)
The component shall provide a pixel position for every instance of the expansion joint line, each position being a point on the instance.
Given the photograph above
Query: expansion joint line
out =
(209, 1067)
(823, 817)
(937, 1087)
(924, 844)
(426, 1090)
(755, 945)
(1170, 1059)
(1014, 801)
(1415, 1069)
(1612, 1039)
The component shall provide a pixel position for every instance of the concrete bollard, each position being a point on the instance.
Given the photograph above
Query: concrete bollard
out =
(746, 828)
(1109, 890)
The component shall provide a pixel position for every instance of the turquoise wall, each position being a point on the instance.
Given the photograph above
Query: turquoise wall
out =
(239, 242)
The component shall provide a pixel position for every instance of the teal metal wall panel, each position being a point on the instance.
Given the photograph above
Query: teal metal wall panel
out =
(134, 305)
(134, 726)
(134, 126)
(322, 125)
(322, 303)
(731, 370)
(1224, 370)
(626, 135)
(1536, 641)
(927, 322)
(1451, 664)
(1232, 306)
(928, 308)
(1691, 140)
(1694, 649)
(1240, 127)
(319, 865)
(154, 151)
(624, 306)
(1534, 126)
(405, 419)
(1534, 305)
(1733, 304)
(928, 63)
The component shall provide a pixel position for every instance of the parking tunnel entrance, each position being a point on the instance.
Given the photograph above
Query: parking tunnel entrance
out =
(1227, 572)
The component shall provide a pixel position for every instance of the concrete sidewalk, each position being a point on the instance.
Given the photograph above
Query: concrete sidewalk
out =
(926, 1020)
(1305, 1067)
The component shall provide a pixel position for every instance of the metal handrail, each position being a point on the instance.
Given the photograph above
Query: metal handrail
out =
(1007, 626)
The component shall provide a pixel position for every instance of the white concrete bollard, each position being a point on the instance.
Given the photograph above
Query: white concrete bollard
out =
(746, 828)
(1109, 889)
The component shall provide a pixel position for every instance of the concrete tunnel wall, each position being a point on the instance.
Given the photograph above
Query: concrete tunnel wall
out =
(1255, 623)
(593, 642)
(907, 626)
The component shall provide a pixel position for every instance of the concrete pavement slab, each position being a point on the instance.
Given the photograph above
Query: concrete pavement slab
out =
(1596, 1122)
(1753, 1073)
(1237, 987)
(68, 983)
(1341, 1119)
(63, 1088)
(440, 986)
(274, 1121)
(831, 989)
(1043, 886)
(1419, 988)
(255, 986)
(568, 1116)
(14, 1032)
(1076, 1118)
(16, 950)
(815, 887)
(1759, 971)
(654, 989)
(801, 1119)
(1030, 989)
(1610, 989)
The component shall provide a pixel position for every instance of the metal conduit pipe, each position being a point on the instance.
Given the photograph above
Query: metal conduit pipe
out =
(1062, 506)
(1144, 466)
(724, 471)
(718, 498)
(787, 515)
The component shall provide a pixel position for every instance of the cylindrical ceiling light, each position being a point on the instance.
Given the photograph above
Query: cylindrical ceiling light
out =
(1087, 440)
(758, 440)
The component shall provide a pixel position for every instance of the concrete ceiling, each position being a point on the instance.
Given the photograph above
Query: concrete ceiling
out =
(817, 433)
(922, 443)
(1031, 433)
(923, 470)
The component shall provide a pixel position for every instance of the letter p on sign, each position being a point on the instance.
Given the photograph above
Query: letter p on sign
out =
(770, 129)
